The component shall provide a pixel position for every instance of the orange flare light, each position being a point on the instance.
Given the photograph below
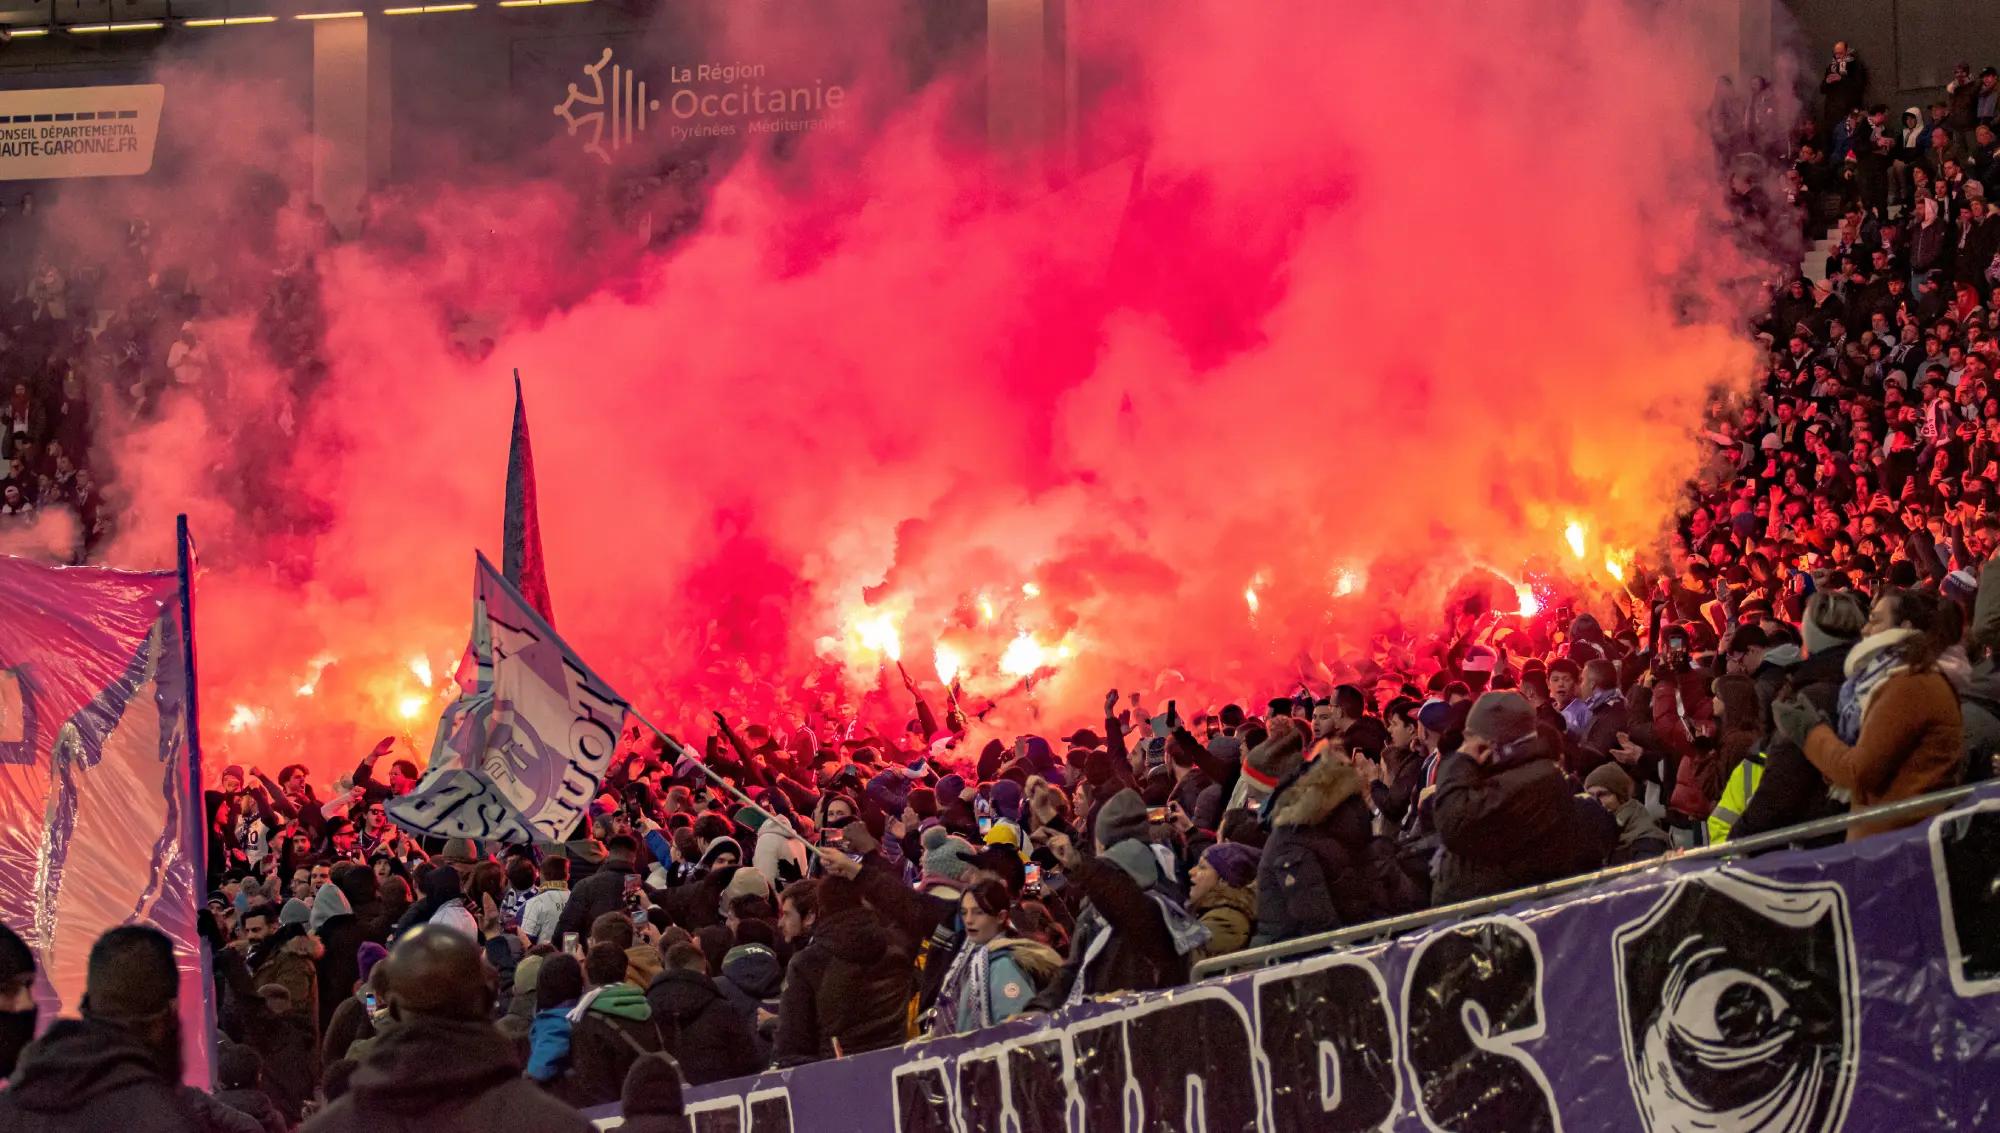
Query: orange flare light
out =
(1530, 605)
(947, 661)
(1023, 657)
(1573, 534)
(879, 633)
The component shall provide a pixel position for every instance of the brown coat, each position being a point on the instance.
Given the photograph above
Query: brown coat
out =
(1912, 742)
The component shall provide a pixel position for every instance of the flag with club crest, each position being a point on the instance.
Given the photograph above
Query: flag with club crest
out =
(522, 752)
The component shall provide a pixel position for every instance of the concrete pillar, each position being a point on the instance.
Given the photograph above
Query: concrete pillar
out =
(1025, 79)
(351, 115)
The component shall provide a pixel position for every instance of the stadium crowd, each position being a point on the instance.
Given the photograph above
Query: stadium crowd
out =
(1819, 638)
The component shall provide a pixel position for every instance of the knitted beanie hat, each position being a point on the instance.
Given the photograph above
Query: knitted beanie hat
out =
(944, 856)
(1278, 756)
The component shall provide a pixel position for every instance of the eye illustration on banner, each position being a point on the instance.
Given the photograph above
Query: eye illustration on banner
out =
(1965, 862)
(1739, 1007)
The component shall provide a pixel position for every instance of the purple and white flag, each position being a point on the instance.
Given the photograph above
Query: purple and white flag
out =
(519, 756)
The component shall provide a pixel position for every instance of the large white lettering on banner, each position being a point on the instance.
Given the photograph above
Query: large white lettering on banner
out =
(79, 131)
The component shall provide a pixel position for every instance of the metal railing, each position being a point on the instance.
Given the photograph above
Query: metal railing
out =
(1394, 926)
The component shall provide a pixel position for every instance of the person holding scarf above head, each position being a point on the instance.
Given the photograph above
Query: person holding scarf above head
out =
(1899, 732)
(994, 976)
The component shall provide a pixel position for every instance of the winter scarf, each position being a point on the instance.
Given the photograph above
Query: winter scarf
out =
(1870, 664)
(620, 999)
(965, 982)
(1186, 930)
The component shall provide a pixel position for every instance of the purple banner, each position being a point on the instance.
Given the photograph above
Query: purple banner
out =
(1802, 992)
(98, 818)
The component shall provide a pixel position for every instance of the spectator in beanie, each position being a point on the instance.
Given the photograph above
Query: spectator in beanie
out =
(1639, 835)
(651, 1102)
(602, 892)
(1505, 816)
(1222, 891)
(1147, 937)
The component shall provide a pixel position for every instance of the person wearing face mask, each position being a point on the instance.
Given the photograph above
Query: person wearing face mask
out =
(17, 999)
(119, 1066)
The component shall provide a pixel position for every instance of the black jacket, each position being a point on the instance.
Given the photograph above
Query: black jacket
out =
(601, 1050)
(1791, 789)
(600, 893)
(930, 920)
(442, 1076)
(846, 992)
(339, 963)
(256, 1105)
(752, 980)
(1323, 866)
(703, 1030)
(1140, 956)
(1512, 823)
(83, 1075)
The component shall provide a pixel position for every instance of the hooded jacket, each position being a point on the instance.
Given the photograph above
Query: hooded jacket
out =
(340, 937)
(1511, 823)
(1323, 867)
(610, 1028)
(780, 854)
(87, 1075)
(701, 1028)
(431, 1075)
(850, 988)
(752, 980)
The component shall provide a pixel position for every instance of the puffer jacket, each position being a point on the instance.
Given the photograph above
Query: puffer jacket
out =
(700, 1027)
(1230, 912)
(1323, 866)
(1512, 823)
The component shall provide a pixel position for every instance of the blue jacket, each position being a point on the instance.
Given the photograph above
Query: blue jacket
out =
(548, 1044)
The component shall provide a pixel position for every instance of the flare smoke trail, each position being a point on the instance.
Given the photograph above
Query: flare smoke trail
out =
(1376, 293)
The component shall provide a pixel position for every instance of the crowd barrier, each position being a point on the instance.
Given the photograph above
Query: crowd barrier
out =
(1802, 991)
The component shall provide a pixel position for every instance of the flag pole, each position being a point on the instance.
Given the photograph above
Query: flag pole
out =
(198, 852)
(719, 781)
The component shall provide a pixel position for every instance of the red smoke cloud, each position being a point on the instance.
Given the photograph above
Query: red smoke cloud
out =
(1376, 294)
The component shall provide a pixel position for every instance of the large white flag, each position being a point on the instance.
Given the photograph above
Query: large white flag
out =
(521, 753)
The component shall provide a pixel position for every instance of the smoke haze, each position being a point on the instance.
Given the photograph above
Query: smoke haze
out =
(1345, 300)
